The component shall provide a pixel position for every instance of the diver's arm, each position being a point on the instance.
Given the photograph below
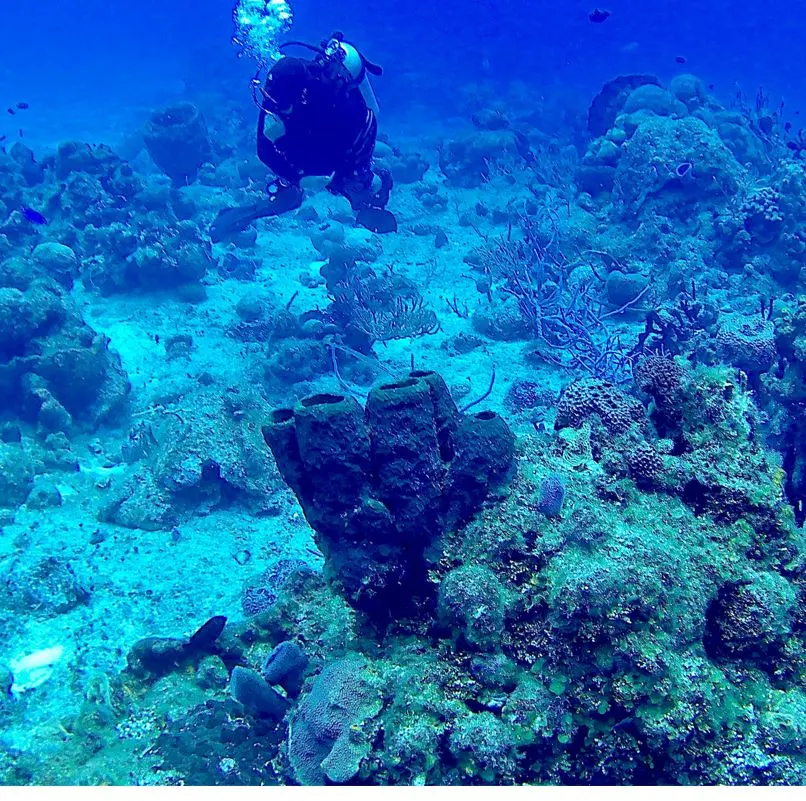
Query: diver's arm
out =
(267, 150)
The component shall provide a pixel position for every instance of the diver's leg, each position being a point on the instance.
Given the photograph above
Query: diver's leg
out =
(354, 178)
(283, 195)
(368, 194)
(355, 185)
(381, 196)
(367, 191)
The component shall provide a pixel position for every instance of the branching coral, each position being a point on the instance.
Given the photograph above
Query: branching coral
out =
(407, 317)
(569, 324)
(381, 307)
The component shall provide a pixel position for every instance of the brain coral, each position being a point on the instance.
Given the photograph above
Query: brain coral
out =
(326, 738)
(589, 397)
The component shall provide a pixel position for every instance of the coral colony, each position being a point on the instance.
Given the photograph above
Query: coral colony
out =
(513, 496)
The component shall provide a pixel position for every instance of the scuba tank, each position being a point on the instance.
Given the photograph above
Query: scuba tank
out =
(357, 66)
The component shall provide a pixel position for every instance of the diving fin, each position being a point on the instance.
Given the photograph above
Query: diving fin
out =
(231, 221)
(379, 221)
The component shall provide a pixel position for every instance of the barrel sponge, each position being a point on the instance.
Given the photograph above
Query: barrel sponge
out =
(177, 139)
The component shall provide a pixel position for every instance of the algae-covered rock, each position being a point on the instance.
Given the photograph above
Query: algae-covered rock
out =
(655, 100)
(609, 102)
(468, 161)
(473, 602)
(624, 288)
(751, 619)
(211, 673)
(47, 353)
(139, 502)
(46, 588)
(16, 475)
(213, 744)
(57, 261)
(44, 495)
(483, 746)
(210, 456)
(656, 148)
(501, 320)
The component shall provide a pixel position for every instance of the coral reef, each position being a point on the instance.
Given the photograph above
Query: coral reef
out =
(293, 436)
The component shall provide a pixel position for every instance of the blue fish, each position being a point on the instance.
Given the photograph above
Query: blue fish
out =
(33, 216)
(599, 15)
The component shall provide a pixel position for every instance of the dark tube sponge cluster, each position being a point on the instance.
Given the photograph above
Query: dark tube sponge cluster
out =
(379, 484)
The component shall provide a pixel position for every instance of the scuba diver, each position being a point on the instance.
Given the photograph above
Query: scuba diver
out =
(318, 117)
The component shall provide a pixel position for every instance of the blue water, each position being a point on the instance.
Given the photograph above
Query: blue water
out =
(508, 490)
(107, 57)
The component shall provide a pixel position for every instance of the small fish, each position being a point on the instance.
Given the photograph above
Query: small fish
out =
(788, 126)
(11, 111)
(680, 59)
(599, 15)
(22, 106)
(33, 216)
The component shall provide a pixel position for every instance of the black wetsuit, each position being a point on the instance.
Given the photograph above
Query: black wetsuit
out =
(329, 130)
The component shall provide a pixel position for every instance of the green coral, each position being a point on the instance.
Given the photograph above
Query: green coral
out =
(472, 602)
(484, 747)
